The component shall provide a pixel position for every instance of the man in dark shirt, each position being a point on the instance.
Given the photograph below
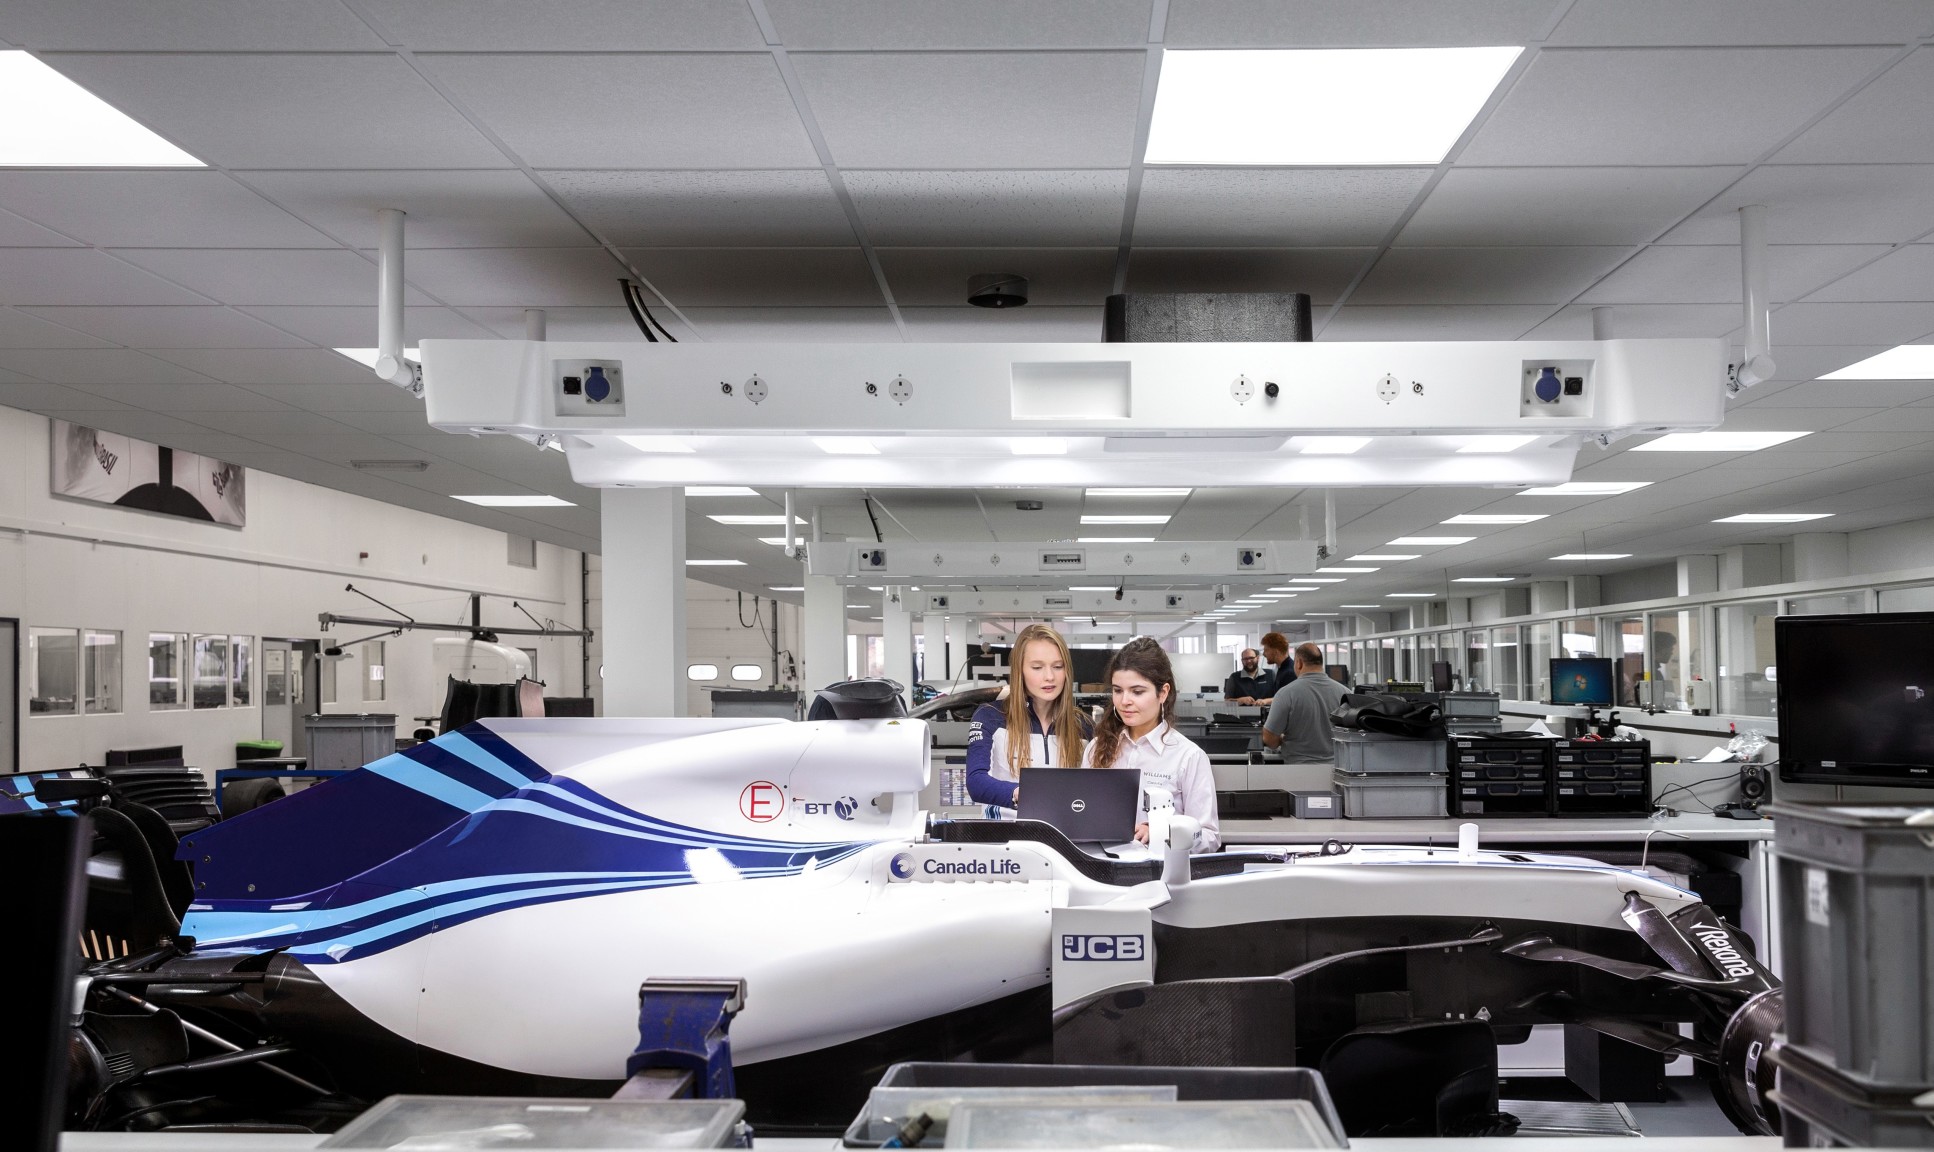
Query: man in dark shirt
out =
(1275, 650)
(1251, 684)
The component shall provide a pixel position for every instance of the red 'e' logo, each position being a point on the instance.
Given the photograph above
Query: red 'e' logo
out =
(761, 801)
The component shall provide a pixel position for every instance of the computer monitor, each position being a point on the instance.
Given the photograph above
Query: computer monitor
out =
(1088, 805)
(1339, 673)
(1856, 698)
(1583, 680)
(1440, 676)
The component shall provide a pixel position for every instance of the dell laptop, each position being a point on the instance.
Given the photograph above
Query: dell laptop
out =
(1088, 805)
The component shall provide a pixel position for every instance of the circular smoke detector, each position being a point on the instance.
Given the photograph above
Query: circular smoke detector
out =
(997, 290)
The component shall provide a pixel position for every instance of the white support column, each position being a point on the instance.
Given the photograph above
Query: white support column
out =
(644, 601)
(896, 636)
(933, 631)
(957, 637)
(823, 624)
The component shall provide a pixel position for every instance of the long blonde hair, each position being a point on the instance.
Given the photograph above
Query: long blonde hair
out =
(1144, 657)
(1067, 721)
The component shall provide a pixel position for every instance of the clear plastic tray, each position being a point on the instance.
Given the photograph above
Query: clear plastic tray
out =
(1248, 1124)
(529, 1124)
(889, 1108)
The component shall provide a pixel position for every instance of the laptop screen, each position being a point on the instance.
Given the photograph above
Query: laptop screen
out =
(1088, 805)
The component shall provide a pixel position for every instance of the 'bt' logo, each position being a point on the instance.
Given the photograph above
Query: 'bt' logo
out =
(1103, 947)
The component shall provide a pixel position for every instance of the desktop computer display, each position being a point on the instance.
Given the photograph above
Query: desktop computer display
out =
(1856, 698)
(1440, 676)
(1586, 681)
(1339, 673)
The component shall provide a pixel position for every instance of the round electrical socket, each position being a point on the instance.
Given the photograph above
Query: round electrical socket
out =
(755, 389)
(901, 389)
(1387, 388)
(1242, 389)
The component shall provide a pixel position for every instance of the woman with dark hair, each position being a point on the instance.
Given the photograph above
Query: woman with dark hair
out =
(1035, 725)
(1138, 732)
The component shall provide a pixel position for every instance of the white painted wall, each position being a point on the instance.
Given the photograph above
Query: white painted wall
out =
(69, 564)
(1892, 548)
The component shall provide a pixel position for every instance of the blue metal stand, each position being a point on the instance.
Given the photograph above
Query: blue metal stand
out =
(684, 1025)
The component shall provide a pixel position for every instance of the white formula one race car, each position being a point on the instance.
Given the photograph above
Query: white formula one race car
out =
(477, 915)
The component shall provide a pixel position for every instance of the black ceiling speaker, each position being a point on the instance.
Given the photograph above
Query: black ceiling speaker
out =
(997, 290)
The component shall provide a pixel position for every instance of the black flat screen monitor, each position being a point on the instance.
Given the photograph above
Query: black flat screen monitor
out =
(1856, 698)
(1088, 805)
(1583, 680)
(1440, 676)
(1339, 673)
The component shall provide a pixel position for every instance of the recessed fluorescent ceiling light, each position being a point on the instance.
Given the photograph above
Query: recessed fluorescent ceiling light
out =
(757, 518)
(1594, 556)
(1352, 570)
(1139, 491)
(1124, 519)
(1430, 541)
(659, 443)
(1038, 446)
(58, 124)
(1329, 445)
(859, 605)
(1092, 588)
(715, 563)
(1410, 595)
(1114, 540)
(1907, 362)
(1269, 599)
(1403, 105)
(367, 356)
(1323, 613)
(1494, 443)
(1289, 588)
(720, 490)
(1588, 488)
(1387, 556)
(846, 446)
(1489, 518)
(1321, 579)
(1359, 605)
(1483, 579)
(786, 588)
(516, 501)
(1716, 441)
(1772, 517)
(778, 541)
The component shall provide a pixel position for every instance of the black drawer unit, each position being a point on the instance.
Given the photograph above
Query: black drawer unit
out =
(1500, 777)
(1602, 777)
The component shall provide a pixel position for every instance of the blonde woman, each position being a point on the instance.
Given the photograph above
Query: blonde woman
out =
(1035, 725)
(1138, 732)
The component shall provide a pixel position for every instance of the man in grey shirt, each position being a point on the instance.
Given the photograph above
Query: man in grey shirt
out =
(1298, 726)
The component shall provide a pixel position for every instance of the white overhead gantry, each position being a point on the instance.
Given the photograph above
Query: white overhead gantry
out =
(642, 420)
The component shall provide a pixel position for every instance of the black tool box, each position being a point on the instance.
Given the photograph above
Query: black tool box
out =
(1508, 777)
(1601, 777)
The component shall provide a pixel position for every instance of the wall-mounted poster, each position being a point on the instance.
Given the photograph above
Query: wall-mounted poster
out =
(108, 468)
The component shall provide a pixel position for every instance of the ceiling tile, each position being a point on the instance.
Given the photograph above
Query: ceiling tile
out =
(518, 277)
(612, 323)
(928, 24)
(566, 25)
(96, 366)
(386, 423)
(288, 110)
(338, 326)
(19, 330)
(1709, 274)
(1272, 207)
(170, 326)
(1908, 419)
(1818, 204)
(449, 209)
(989, 208)
(1714, 22)
(759, 277)
(271, 365)
(20, 232)
(194, 25)
(36, 397)
(1809, 323)
(1484, 206)
(1321, 272)
(185, 397)
(1484, 275)
(1886, 122)
(155, 426)
(872, 325)
(81, 276)
(267, 275)
(687, 111)
(1642, 321)
(1029, 325)
(374, 396)
(1462, 322)
(1663, 106)
(1352, 23)
(909, 110)
(154, 210)
(938, 276)
(1834, 397)
(220, 446)
(700, 209)
(1907, 273)
(285, 422)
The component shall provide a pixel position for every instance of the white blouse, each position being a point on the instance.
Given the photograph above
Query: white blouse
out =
(1167, 759)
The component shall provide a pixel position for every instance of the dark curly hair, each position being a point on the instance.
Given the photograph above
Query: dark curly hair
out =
(1144, 657)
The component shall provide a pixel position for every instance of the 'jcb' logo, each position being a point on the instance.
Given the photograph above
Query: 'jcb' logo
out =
(1102, 947)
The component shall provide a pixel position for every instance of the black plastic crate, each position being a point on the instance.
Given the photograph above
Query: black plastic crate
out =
(1821, 1107)
(1500, 777)
(1601, 777)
